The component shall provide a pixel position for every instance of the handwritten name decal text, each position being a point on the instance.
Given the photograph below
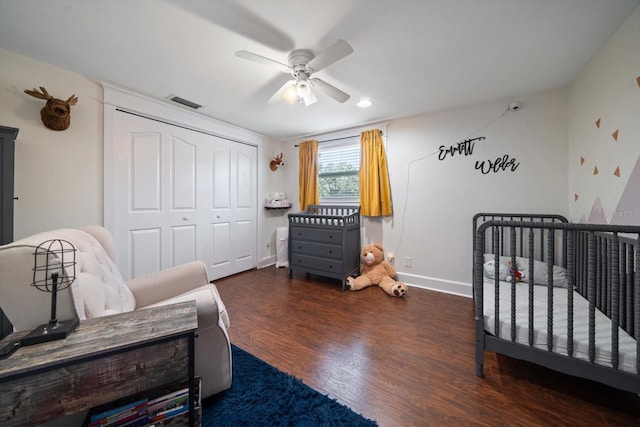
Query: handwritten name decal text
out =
(500, 164)
(464, 148)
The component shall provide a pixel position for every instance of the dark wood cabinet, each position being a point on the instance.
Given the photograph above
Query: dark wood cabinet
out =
(7, 154)
(325, 240)
(7, 150)
(103, 360)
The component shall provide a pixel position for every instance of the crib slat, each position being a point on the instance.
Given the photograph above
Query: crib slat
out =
(550, 253)
(591, 293)
(637, 300)
(615, 300)
(570, 286)
(623, 286)
(496, 283)
(531, 275)
(633, 314)
(512, 249)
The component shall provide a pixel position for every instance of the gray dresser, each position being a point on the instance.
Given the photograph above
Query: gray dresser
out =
(325, 240)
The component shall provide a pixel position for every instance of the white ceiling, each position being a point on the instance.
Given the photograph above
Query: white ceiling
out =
(411, 57)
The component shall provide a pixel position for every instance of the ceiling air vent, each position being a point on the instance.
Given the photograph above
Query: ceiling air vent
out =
(185, 102)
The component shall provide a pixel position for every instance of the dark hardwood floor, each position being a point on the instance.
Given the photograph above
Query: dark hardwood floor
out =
(404, 361)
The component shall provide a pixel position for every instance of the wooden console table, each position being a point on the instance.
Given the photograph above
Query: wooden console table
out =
(104, 359)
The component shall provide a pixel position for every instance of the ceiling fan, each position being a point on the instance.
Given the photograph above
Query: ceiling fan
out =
(301, 65)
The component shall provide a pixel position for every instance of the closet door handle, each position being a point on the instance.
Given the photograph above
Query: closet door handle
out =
(16, 198)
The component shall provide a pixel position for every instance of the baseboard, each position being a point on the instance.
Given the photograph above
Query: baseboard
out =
(424, 282)
(436, 284)
(267, 261)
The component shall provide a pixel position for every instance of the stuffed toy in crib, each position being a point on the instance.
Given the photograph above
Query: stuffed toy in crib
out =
(517, 272)
(374, 270)
(504, 271)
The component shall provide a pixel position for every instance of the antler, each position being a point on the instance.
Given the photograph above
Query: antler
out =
(73, 99)
(41, 95)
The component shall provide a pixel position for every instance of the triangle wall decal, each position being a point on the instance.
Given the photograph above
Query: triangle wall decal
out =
(615, 134)
(595, 170)
(582, 159)
(598, 123)
(617, 172)
(575, 197)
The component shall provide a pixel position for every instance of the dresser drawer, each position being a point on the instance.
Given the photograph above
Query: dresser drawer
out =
(316, 234)
(314, 263)
(318, 249)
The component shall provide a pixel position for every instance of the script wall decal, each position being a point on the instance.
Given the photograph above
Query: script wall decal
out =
(500, 164)
(465, 148)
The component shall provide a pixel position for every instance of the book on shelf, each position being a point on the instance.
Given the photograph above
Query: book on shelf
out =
(144, 412)
(168, 405)
(120, 415)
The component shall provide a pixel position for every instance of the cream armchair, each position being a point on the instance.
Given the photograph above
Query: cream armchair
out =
(100, 290)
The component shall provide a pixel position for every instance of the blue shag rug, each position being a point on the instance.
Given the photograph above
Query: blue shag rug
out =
(261, 395)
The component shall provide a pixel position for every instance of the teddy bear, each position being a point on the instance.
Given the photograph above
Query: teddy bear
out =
(374, 270)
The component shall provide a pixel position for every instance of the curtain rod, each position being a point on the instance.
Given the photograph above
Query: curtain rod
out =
(337, 139)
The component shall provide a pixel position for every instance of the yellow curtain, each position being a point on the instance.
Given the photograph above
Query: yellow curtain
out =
(308, 175)
(375, 191)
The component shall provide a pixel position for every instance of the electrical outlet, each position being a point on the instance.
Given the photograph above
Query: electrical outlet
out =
(268, 244)
(407, 261)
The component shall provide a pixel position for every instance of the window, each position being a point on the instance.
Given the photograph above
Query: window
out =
(338, 167)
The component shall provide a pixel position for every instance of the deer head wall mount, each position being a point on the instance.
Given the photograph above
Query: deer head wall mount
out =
(277, 161)
(56, 113)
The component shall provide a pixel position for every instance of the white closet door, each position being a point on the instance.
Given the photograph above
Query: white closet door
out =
(231, 209)
(177, 199)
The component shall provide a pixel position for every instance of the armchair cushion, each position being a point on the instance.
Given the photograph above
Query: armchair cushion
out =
(183, 280)
(100, 290)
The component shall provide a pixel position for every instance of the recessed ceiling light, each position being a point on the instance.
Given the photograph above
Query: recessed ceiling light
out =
(365, 103)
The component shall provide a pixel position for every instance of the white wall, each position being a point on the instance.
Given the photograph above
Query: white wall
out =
(273, 181)
(608, 88)
(58, 175)
(435, 200)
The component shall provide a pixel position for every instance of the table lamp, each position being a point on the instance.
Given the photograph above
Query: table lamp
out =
(54, 270)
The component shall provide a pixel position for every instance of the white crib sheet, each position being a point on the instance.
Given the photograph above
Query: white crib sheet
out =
(627, 345)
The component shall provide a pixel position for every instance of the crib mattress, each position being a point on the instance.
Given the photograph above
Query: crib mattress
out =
(626, 344)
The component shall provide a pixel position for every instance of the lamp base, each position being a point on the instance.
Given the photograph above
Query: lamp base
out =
(50, 332)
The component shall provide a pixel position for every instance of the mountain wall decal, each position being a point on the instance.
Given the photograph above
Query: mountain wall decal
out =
(597, 216)
(628, 210)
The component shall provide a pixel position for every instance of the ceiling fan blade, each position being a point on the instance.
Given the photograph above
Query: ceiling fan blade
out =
(263, 60)
(330, 90)
(333, 53)
(280, 93)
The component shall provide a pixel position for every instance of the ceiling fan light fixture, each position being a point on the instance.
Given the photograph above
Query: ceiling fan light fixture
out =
(309, 99)
(302, 63)
(302, 88)
(291, 94)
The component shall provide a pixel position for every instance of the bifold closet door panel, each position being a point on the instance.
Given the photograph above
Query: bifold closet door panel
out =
(175, 197)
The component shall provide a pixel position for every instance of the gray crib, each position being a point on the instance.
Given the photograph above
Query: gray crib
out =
(576, 311)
